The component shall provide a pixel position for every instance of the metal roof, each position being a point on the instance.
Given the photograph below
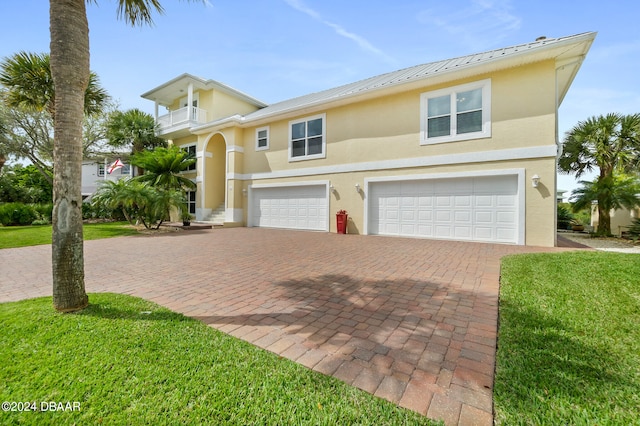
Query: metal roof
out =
(563, 50)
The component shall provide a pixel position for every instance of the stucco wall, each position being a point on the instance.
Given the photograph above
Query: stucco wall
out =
(382, 133)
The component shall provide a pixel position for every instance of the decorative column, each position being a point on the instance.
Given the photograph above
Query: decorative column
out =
(190, 102)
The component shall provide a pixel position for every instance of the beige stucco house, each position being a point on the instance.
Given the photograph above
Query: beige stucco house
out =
(445, 150)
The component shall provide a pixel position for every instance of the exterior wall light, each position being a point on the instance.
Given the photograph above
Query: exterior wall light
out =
(244, 192)
(332, 189)
(535, 180)
(358, 188)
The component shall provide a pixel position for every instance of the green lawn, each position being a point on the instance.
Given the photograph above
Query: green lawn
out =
(569, 340)
(23, 236)
(128, 361)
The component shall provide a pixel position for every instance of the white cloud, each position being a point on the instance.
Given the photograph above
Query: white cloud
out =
(362, 42)
(479, 24)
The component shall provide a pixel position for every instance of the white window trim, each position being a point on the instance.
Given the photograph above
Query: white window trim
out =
(485, 85)
(189, 145)
(258, 130)
(323, 154)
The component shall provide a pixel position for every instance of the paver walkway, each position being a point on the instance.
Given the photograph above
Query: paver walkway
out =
(413, 321)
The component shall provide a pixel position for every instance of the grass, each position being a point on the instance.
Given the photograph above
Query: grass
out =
(569, 340)
(128, 361)
(23, 236)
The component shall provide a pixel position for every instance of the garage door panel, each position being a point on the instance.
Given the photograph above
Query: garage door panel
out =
(443, 201)
(443, 215)
(505, 201)
(299, 207)
(480, 208)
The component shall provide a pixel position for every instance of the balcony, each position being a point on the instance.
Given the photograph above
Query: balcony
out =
(180, 120)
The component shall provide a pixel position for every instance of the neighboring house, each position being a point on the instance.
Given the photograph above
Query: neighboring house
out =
(560, 195)
(95, 171)
(621, 219)
(443, 150)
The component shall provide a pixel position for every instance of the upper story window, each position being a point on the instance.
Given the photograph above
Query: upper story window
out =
(262, 138)
(456, 113)
(101, 170)
(191, 149)
(307, 138)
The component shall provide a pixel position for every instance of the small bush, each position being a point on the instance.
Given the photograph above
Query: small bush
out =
(40, 222)
(99, 211)
(45, 211)
(12, 214)
(565, 217)
(634, 230)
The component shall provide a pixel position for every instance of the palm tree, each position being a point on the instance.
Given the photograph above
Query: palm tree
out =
(27, 76)
(69, 63)
(139, 201)
(615, 192)
(134, 129)
(609, 143)
(163, 167)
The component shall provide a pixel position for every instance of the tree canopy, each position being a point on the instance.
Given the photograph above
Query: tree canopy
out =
(611, 144)
(163, 167)
(27, 78)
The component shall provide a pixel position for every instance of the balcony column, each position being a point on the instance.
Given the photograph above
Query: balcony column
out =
(156, 111)
(190, 102)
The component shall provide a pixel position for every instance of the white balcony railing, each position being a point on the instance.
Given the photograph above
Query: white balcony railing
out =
(181, 116)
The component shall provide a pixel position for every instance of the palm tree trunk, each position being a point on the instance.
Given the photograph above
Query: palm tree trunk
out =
(3, 159)
(604, 221)
(70, 73)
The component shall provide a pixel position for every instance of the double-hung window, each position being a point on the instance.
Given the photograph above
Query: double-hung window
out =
(262, 138)
(457, 113)
(191, 202)
(191, 150)
(307, 138)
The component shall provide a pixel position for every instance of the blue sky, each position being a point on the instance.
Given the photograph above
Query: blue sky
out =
(278, 49)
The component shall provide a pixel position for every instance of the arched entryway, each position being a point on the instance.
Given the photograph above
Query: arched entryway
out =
(213, 172)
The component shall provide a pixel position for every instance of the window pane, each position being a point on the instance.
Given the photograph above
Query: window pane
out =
(439, 106)
(262, 134)
(298, 131)
(315, 146)
(314, 127)
(468, 101)
(470, 122)
(439, 127)
(192, 196)
(262, 143)
(297, 148)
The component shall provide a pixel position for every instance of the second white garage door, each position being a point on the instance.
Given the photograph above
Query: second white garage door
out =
(474, 209)
(290, 207)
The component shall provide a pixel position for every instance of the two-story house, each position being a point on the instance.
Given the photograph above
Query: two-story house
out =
(461, 149)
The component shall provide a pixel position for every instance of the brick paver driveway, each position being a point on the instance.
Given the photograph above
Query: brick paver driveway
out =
(413, 321)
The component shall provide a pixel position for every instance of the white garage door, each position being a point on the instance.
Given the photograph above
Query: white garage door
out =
(291, 207)
(474, 209)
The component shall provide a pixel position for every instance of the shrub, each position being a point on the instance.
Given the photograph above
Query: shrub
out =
(45, 211)
(12, 214)
(634, 230)
(100, 211)
(565, 217)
